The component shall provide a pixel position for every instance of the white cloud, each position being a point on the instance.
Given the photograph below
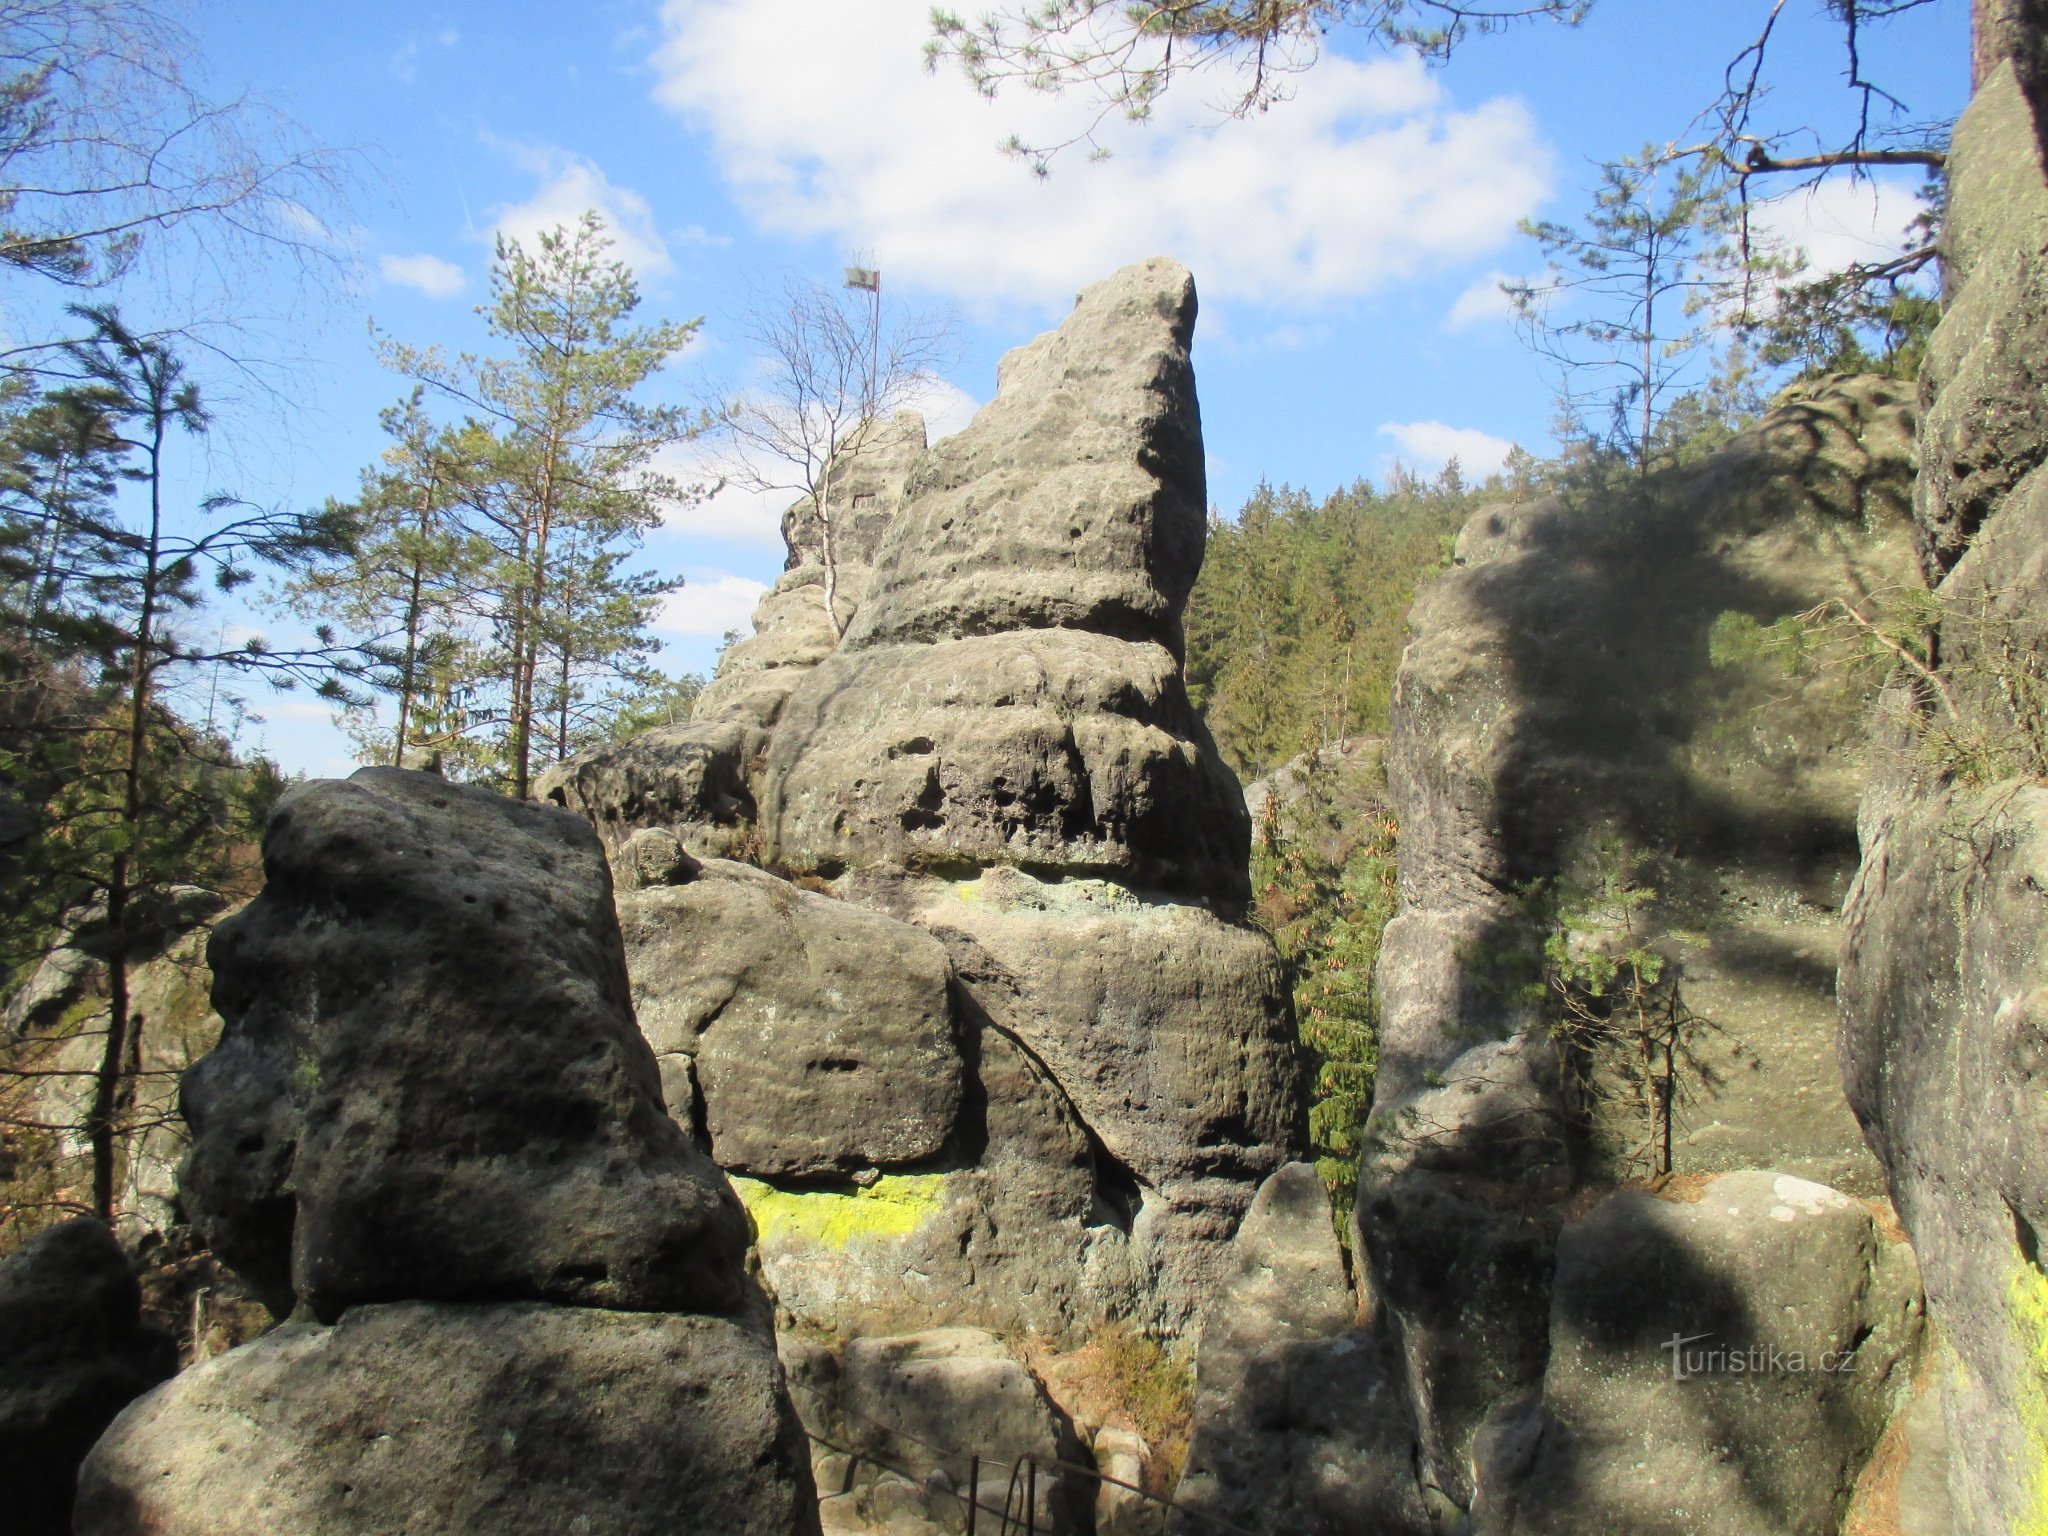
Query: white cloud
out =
(571, 184)
(1431, 445)
(436, 278)
(1484, 301)
(945, 407)
(1841, 221)
(733, 512)
(826, 125)
(752, 516)
(710, 603)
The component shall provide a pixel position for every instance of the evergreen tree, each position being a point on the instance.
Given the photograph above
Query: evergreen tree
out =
(569, 480)
(123, 797)
(1297, 621)
(412, 577)
(1622, 307)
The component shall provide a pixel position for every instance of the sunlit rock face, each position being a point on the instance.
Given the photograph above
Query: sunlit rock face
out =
(1944, 982)
(988, 1041)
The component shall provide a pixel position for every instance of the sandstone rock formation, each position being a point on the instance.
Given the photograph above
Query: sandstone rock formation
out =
(494, 1419)
(1574, 709)
(1043, 1062)
(430, 1085)
(1302, 1424)
(1729, 1360)
(1944, 991)
(814, 1036)
(432, 1127)
(900, 1410)
(73, 1353)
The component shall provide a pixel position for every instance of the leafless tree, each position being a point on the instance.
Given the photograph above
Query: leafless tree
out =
(115, 164)
(835, 369)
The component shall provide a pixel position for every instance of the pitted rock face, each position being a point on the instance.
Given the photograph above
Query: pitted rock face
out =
(430, 1084)
(510, 1420)
(1075, 499)
(819, 1035)
(1055, 750)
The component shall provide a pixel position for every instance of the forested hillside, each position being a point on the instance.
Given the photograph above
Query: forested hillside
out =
(1298, 619)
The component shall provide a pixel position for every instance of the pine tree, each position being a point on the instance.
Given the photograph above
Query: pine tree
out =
(124, 797)
(412, 578)
(568, 482)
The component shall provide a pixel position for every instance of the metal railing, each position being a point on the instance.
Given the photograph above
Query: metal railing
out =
(1023, 1481)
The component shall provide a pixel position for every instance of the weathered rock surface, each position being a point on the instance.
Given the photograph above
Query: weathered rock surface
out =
(1075, 500)
(794, 628)
(1458, 1196)
(1945, 1040)
(432, 1123)
(1052, 749)
(1000, 752)
(430, 1084)
(1183, 1061)
(1578, 683)
(506, 1419)
(1724, 1365)
(1010, 691)
(921, 1406)
(818, 1035)
(1944, 1033)
(1984, 381)
(1302, 1423)
(73, 1353)
(1031, 1236)
(691, 780)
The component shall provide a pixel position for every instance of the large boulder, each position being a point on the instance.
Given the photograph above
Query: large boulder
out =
(511, 1420)
(432, 1129)
(1722, 1365)
(1168, 1027)
(808, 1036)
(73, 1353)
(1300, 1420)
(430, 1084)
(914, 1410)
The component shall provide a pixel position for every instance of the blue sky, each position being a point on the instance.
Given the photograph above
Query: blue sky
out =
(1346, 244)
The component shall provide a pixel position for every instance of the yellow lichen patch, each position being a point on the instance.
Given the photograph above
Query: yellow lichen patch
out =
(2029, 1297)
(893, 1207)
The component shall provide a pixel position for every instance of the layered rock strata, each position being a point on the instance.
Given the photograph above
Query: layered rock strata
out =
(991, 1044)
(433, 1133)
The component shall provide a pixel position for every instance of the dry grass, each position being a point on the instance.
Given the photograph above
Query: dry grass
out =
(1123, 1379)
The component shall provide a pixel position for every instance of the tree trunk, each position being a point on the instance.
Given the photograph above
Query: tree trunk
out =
(106, 1095)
